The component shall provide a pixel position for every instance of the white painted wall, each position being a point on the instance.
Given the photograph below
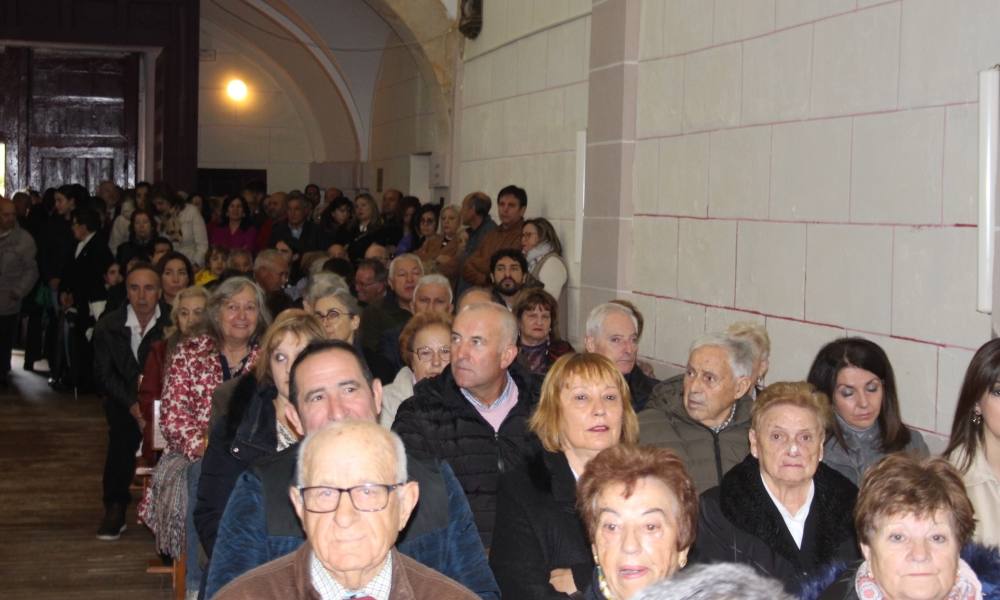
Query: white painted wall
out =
(267, 131)
(523, 98)
(403, 122)
(812, 165)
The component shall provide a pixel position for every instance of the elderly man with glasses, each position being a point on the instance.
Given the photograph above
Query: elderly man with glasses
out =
(329, 384)
(353, 498)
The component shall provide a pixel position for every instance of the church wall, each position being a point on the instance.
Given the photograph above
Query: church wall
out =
(812, 165)
(524, 96)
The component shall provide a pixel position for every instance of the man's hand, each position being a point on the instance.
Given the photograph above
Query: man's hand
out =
(562, 580)
(136, 413)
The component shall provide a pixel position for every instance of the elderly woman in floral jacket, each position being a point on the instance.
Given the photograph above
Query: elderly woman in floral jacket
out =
(235, 318)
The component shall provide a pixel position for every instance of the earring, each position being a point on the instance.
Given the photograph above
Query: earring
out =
(977, 418)
(683, 562)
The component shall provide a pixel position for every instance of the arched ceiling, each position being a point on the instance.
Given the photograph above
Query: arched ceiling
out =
(336, 47)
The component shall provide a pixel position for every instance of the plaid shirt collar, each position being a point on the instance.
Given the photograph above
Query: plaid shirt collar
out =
(329, 588)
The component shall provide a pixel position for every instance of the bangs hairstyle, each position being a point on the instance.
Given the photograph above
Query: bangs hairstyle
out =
(627, 464)
(862, 354)
(901, 484)
(225, 291)
(800, 394)
(296, 322)
(532, 298)
(418, 323)
(592, 368)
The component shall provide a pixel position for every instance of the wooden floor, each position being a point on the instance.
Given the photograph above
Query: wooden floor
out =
(51, 458)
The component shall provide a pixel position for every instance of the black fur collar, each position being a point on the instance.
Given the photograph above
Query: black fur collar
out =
(747, 505)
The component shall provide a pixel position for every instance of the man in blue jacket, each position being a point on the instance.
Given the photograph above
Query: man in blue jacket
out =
(329, 382)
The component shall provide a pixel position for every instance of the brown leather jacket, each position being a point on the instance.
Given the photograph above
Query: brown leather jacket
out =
(476, 269)
(287, 578)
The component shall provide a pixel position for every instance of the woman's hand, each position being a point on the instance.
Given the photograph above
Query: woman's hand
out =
(562, 581)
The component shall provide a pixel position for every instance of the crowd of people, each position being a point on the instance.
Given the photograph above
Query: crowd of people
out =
(351, 399)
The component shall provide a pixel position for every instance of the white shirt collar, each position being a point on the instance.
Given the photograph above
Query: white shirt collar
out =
(796, 523)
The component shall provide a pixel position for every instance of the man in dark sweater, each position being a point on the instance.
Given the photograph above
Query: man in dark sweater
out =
(613, 331)
(475, 414)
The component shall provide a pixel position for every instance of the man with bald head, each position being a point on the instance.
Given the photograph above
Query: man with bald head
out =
(329, 383)
(432, 293)
(475, 414)
(18, 274)
(353, 497)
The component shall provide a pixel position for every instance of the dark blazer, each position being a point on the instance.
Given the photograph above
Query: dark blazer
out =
(133, 248)
(538, 530)
(83, 276)
(248, 431)
(439, 423)
(311, 238)
(640, 386)
(738, 522)
(56, 248)
(116, 370)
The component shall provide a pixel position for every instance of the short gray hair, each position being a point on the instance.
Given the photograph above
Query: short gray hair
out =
(740, 351)
(718, 581)
(340, 426)
(322, 285)
(508, 324)
(268, 258)
(596, 318)
(402, 257)
(432, 279)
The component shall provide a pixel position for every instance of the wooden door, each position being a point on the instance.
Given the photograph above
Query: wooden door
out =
(83, 119)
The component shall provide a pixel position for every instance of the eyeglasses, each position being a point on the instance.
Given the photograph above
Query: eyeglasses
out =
(426, 353)
(367, 497)
(331, 315)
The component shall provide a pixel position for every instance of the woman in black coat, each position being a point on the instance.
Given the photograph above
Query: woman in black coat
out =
(540, 547)
(781, 510)
(248, 416)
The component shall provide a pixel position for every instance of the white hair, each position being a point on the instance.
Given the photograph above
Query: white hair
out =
(595, 321)
(322, 285)
(339, 427)
(402, 257)
(267, 258)
(432, 279)
(739, 350)
(719, 581)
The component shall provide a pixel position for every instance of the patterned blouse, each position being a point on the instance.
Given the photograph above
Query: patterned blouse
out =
(194, 373)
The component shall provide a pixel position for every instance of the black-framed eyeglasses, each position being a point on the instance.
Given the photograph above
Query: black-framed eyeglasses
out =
(367, 497)
(331, 315)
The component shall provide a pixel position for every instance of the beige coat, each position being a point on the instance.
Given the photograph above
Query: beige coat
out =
(983, 487)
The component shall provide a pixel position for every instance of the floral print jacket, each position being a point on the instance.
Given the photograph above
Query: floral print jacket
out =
(194, 373)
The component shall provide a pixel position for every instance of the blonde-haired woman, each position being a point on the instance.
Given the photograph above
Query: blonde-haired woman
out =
(254, 421)
(540, 546)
